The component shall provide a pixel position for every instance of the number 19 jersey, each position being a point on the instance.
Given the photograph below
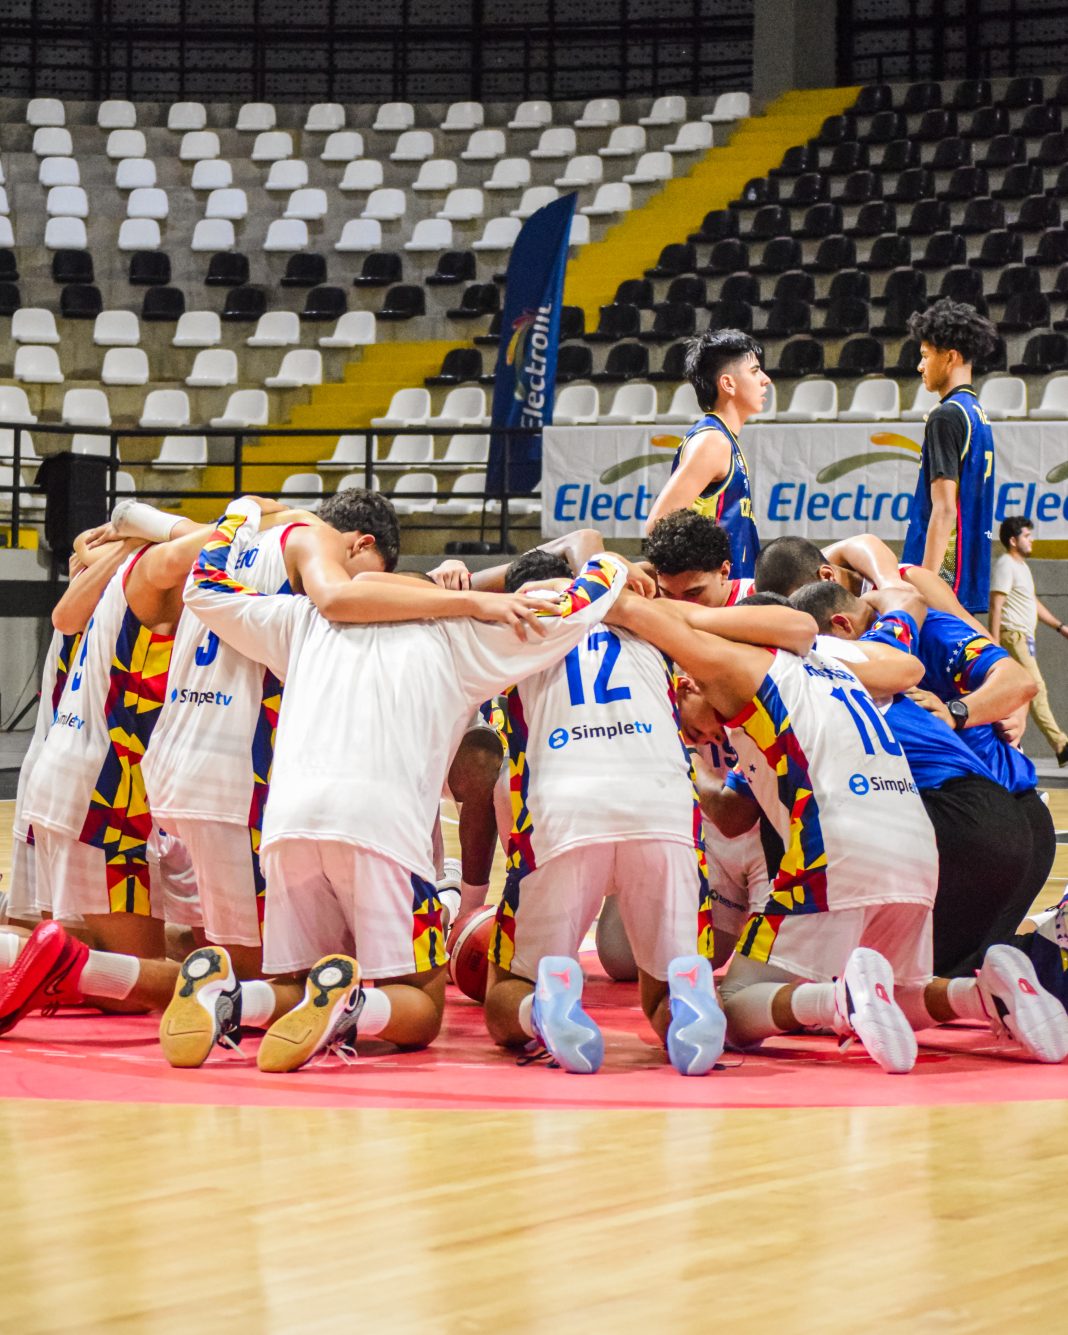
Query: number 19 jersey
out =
(835, 784)
(595, 753)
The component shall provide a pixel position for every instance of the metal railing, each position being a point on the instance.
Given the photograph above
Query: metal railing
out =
(495, 513)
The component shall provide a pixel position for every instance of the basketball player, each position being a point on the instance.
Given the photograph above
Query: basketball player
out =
(346, 846)
(849, 912)
(951, 522)
(709, 472)
(604, 803)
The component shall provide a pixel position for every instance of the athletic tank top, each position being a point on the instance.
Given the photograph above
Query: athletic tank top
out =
(728, 500)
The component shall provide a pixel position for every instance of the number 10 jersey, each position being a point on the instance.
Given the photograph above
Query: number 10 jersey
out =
(834, 782)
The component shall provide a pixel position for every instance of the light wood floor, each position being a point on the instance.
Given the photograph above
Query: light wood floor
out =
(812, 1220)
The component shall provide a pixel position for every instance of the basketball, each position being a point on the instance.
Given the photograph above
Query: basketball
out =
(469, 952)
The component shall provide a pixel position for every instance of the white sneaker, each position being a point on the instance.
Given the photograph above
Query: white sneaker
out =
(864, 1000)
(1018, 1005)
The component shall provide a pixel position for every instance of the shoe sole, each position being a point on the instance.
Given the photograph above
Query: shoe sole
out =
(29, 974)
(567, 1031)
(297, 1036)
(698, 1030)
(877, 1019)
(187, 1029)
(1039, 1022)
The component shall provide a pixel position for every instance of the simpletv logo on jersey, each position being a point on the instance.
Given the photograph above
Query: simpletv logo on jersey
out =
(69, 721)
(582, 732)
(861, 785)
(198, 698)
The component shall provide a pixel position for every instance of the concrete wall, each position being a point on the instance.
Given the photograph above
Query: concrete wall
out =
(794, 46)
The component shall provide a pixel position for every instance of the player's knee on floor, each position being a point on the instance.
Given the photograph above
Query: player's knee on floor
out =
(418, 1004)
(504, 995)
(748, 1008)
(475, 767)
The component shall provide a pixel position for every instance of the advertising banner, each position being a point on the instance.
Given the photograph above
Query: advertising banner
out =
(824, 480)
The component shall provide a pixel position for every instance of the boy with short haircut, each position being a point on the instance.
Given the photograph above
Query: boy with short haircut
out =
(1015, 611)
(952, 516)
(709, 473)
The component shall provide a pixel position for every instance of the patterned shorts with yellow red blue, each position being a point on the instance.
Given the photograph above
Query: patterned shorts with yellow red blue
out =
(326, 896)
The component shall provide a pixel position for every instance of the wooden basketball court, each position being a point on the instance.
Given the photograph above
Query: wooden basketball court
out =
(914, 1218)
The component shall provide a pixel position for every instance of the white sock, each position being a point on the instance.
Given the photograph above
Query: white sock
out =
(112, 977)
(450, 905)
(375, 1014)
(966, 1001)
(10, 945)
(525, 1022)
(813, 1005)
(472, 896)
(257, 1004)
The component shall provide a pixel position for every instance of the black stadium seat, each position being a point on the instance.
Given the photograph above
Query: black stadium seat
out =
(1037, 214)
(999, 248)
(72, 266)
(950, 154)
(492, 334)
(1019, 181)
(971, 93)
(1060, 93)
(741, 287)
(686, 288)
(885, 126)
(625, 361)
(1017, 278)
(757, 191)
(403, 302)
(848, 157)
(899, 155)
(787, 318)
(797, 160)
(324, 303)
(1039, 120)
(860, 356)
(874, 219)
(1025, 311)
(907, 358)
(934, 125)
(574, 361)
(674, 259)
(920, 97)
(572, 322)
(478, 299)
(820, 220)
(1005, 150)
(717, 226)
(986, 123)
(1043, 354)
(616, 322)
(963, 283)
(942, 250)
(905, 292)
(850, 284)
(243, 304)
(81, 301)
(731, 315)
(305, 269)
(10, 298)
(1022, 92)
(228, 268)
(1052, 248)
(771, 220)
(874, 98)
(635, 292)
(1059, 188)
(379, 269)
(834, 253)
(801, 356)
(807, 189)
(672, 368)
(781, 253)
(927, 217)
(859, 187)
(889, 251)
(794, 285)
(671, 320)
(966, 183)
(916, 183)
(454, 266)
(727, 256)
(1052, 151)
(460, 366)
(982, 216)
(9, 269)
(150, 268)
(846, 315)
(162, 304)
(837, 130)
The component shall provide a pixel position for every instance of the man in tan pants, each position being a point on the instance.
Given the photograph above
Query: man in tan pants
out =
(1015, 611)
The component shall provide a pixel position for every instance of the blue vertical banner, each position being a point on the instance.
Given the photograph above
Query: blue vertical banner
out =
(525, 380)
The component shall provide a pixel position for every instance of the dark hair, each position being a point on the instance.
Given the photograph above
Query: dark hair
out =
(787, 563)
(535, 564)
(685, 540)
(709, 354)
(1012, 527)
(763, 600)
(821, 601)
(356, 510)
(955, 326)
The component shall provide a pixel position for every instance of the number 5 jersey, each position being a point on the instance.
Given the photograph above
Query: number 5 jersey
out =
(832, 779)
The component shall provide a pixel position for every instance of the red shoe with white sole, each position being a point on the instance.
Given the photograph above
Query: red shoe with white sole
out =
(44, 977)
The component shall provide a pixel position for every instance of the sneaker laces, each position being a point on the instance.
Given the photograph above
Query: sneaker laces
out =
(342, 1043)
(536, 1051)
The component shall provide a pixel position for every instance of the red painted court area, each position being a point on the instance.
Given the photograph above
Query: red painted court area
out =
(88, 1056)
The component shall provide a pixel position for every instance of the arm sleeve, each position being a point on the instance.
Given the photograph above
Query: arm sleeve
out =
(897, 629)
(972, 662)
(491, 657)
(260, 626)
(944, 441)
(1001, 578)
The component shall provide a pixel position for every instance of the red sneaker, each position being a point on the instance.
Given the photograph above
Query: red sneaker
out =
(44, 977)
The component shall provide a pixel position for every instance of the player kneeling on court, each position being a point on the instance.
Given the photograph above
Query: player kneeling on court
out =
(603, 801)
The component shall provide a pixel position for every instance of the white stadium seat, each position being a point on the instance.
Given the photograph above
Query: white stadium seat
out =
(272, 145)
(67, 201)
(305, 489)
(465, 497)
(288, 174)
(625, 142)
(35, 365)
(651, 168)
(179, 452)
(812, 401)
(230, 203)
(85, 407)
(212, 234)
(631, 403)
(7, 235)
(197, 145)
(669, 110)
(65, 234)
(4, 206)
(165, 408)
(498, 234)
(136, 174)
(255, 117)
(509, 174)
(125, 366)
(302, 366)
(484, 146)
(1004, 397)
(359, 479)
(394, 116)
(360, 234)
(923, 401)
(693, 137)
(83, 442)
(684, 408)
(403, 494)
(1054, 405)
(52, 141)
(436, 174)
(431, 234)
(613, 197)
(464, 406)
(463, 205)
(185, 116)
(126, 144)
(413, 146)
(343, 146)
(116, 329)
(286, 234)
(535, 197)
(728, 107)
(408, 407)
(531, 116)
(197, 329)
(45, 111)
(576, 405)
(213, 368)
(30, 503)
(770, 410)
(34, 324)
(58, 171)
(139, 234)
(875, 400)
(147, 202)
(556, 142)
(463, 116)
(212, 174)
(245, 407)
(348, 453)
(354, 329)
(309, 204)
(363, 174)
(324, 118)
(586, 169)
(385, 205)
(600, 112)
(14, 405)
(407, 450)
(579, 235)
(116, 115)
(276, 329)
(465, 451)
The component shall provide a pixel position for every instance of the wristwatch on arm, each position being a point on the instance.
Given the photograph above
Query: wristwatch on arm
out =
(959, 712)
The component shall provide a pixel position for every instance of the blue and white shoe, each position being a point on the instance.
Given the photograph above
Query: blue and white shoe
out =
(568, 1033)
(698, 1029)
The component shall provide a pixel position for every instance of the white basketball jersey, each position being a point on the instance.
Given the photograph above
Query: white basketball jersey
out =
(213, 741)
(834, 782)
(53, 678)
(595, 752)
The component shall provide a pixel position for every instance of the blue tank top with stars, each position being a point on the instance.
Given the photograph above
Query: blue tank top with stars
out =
(728, 500)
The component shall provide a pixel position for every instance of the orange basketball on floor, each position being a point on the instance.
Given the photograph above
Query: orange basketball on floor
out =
(469, 945)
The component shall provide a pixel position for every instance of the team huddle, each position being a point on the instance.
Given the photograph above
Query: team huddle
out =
(795, 767)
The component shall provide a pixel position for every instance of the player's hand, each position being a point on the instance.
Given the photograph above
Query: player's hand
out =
(451, 575)
(522, 611)
(280, 517)
(267, 506)
(97, 537)
(1012, 729)
(639, 580)
(930, 702)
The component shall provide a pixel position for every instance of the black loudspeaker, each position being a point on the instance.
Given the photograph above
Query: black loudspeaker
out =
(76, 498)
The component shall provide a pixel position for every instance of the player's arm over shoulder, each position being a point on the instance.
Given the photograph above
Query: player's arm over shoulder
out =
(706, 459)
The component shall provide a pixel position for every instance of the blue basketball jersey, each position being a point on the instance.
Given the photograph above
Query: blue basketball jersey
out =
(728, 500)
(967, 561)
